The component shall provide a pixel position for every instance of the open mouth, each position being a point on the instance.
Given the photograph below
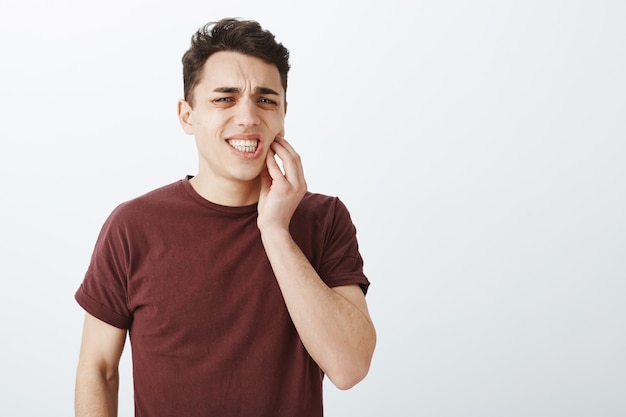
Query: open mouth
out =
(247, 145)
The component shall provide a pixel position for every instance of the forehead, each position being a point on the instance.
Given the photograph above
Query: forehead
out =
(233, 69)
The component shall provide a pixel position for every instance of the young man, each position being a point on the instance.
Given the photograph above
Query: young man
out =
(239, 289)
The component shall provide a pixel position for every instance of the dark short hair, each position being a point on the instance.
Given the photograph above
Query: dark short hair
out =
(243, 36)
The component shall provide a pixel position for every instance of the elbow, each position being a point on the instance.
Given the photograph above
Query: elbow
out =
(348, 373)
(348, 377)
(111, 376)
(349, 366)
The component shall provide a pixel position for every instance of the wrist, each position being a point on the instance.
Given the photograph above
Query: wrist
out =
(274, 233)
(274, 230)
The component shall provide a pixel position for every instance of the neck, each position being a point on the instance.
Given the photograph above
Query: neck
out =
(227, 193)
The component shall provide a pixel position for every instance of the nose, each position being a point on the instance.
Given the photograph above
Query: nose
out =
(246, 113)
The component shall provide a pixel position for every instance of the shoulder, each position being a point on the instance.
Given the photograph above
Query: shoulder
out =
(315, 204)
(322, 213)
(162, 194)
(148, 205)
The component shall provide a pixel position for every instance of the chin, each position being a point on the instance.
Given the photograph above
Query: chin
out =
(247, 176)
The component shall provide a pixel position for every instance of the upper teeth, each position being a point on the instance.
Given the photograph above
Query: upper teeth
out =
(244, 145)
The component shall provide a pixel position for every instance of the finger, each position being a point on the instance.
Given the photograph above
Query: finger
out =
(272, 166)
(292, 165)
(285, 151)
(285, 144)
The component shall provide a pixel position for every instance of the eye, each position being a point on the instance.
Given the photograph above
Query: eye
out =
(267, 101)
(223, 102)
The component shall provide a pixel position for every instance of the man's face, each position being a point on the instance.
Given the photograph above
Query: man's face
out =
(238, 109)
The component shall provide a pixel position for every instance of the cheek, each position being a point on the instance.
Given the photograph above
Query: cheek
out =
(210, 124)
(278, 124)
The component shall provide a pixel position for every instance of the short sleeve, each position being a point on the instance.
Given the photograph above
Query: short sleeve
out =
(342, 263)
(103, 292)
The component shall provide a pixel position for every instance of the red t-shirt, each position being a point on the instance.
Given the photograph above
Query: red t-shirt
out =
(209, 329)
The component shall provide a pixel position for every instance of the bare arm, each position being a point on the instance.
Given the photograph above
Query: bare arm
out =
(333, 323)
(97, 378)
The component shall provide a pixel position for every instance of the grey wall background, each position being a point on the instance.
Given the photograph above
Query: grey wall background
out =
(479, 145)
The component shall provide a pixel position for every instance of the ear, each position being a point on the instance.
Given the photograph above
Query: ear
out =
(184, 116)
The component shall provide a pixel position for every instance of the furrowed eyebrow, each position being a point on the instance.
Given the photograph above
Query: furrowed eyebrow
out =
(227, 90)
(265, 90)
(236, 90)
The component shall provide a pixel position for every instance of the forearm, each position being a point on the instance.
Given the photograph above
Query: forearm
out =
(96, 393)
(338, 335)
